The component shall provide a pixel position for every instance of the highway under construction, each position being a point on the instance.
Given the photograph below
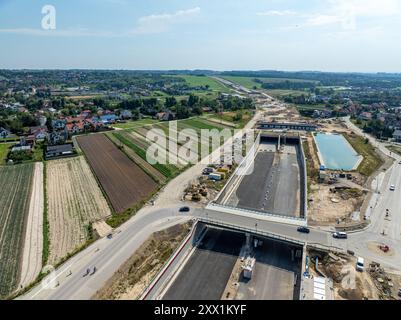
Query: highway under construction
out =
(276, 185)
(232, 265)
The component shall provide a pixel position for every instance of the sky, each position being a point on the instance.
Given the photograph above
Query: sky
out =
(319, 35)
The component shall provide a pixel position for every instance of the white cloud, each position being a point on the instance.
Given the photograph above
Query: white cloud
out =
(277, 13)
(371, 8)
(346, 12)
(158, 23)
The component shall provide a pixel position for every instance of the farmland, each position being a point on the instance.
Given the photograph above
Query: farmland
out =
(74, 202)
(124, 182)
(14, 207)
(33, 244)
(136, 141)
(250, 83)
(198, 81)
(4, 147)
(134, 124)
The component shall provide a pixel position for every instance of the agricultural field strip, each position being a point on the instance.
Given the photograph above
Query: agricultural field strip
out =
(167, 170)
(124, 182)
(215, 120)
(196, 136)
(139, 136)
(165, 129)
(195, 124)
(163, 153)
(14, 206)
(75, 201)
(33, 244)
(157, 175)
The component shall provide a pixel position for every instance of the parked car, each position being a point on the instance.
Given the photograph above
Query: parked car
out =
(399, 292)
(392, 187)
(340, 235)
(303, 230)
(207, 170)
(360, 264)
(184, 209)
(109, 236)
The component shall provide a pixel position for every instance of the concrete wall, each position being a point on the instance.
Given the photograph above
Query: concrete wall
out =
(218, 205)
(163, 277)
(257, 214)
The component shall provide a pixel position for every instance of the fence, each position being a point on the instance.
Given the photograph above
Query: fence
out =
(267, 216)
(169, 262)
(249, 230)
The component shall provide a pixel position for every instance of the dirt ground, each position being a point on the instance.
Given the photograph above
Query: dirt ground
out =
(33, 244)
(281, 113)
(102, 228)
(74, 202)
(137, 272)
(124, 182)
(349, 284)
(329, 207)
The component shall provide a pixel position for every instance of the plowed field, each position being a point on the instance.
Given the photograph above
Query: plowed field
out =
(124, 182)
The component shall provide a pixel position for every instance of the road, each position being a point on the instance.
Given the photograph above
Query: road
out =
(108, 254)
(383, 197)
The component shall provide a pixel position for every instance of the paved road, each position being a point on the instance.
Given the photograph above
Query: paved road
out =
(208, 270)
(107, 255)
(384, 198)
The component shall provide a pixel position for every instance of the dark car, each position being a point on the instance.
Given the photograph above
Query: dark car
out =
(303, 230)
(184, 209)
(109, 236)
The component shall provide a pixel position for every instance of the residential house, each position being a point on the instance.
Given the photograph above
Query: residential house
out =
(397, 135)
(108, 119)
(58, 124)
(75, 127)
(39, 133)
(58, 151)
(365, 116)
(58, 137)
(4, 133)
(165, 116)
(126, 114)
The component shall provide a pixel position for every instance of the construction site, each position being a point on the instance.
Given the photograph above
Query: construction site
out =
(225, 264)
(277, 183)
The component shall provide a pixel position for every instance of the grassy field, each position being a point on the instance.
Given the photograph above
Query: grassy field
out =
(196, 81)
(229, 117)
(4, 148)
(168, 171)
(250, 83)
(278, 93)
(134, 124)
(247, 82)
(135, 140)
(395, 149)
(16, 184)
(371, 160)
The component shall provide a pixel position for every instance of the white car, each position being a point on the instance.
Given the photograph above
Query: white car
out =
(392, 187)
(360, 264)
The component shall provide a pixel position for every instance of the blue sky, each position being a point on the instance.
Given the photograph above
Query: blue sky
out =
(327, 35)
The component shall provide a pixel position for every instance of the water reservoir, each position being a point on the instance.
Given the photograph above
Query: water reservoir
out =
(336, 153)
